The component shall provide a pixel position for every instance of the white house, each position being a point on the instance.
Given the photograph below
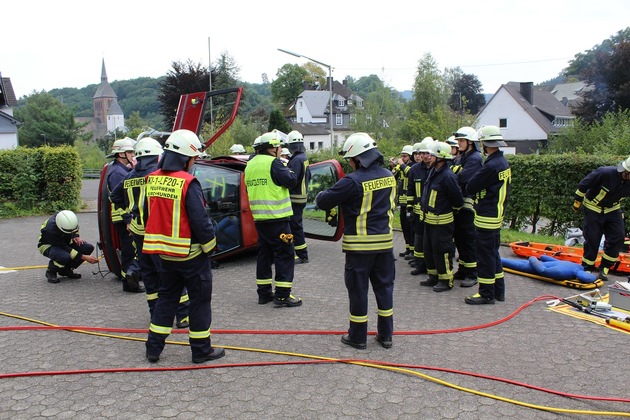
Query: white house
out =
(527, 117)
(8, 124)
(312, 113)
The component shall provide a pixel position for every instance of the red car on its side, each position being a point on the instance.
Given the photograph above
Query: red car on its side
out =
(222, 180)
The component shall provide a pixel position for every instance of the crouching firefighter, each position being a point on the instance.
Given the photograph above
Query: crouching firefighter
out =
(59, 240)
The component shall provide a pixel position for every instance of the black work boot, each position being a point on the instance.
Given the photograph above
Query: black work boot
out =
(484, 297)
(419, 268)
(131, 283)
(460, 274)
(51, 276)
(442, 286)
(469, 281)
(430, 282)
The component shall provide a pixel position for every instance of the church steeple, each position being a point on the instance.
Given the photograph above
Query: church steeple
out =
(103, 73)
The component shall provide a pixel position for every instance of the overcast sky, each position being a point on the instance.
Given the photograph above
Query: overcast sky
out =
(55, 44)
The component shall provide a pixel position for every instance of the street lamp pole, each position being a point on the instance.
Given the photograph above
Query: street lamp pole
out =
(333, 144)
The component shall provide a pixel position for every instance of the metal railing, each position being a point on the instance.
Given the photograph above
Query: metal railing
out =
(91, 173)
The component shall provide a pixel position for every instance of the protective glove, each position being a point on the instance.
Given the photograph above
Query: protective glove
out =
(576, 206)
(331, 217)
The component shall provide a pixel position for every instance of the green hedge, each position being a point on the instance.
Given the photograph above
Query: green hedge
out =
(543, 190)
(39, 180)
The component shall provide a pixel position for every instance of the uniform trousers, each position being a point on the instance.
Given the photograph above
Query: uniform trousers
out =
(361, 270)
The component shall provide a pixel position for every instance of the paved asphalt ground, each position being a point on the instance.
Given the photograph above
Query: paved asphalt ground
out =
(284, 372)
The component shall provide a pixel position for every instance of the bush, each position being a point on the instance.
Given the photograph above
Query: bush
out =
(39, 180)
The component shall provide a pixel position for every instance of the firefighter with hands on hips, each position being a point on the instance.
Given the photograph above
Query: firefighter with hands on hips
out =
(600, 193)
(400, 169)
(131, 195)
(491, 188)
(268, 182)
(299, 164)
(124, 160)
(180, 232)
(467, 165)
(417, 176)
(441, 196)
(59, 240)
(367, 201)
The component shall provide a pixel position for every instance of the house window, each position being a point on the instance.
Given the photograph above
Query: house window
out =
(338, 119)
(353, 118)
(341, 102)
(311, 145)
(320, 145)
(502, 122)
(300, 104)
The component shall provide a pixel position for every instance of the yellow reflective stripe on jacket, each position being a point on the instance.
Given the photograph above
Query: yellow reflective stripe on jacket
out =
(368, 242)
(276, 208)
(438, 219)
(116, 213)
(195, 250)
(594, 207)
(301, 197)
(468, 203)
(159, 242)
(484, 222)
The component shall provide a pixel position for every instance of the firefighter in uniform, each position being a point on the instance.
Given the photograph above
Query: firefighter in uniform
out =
(298, 163)
(367, 200)
(491, 188)
(59, 240)
(441, 195)
(268, 182)
(465, 167)
(601, 192)
(417, 175)
(400, 169)
(130, 194)
(179, 230)
(123, 154)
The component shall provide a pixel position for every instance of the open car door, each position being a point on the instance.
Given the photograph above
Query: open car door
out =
(218, 108)
(323, 176)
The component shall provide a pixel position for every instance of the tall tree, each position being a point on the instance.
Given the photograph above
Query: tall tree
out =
(429, 86)
(278, 122)
(609, 75)
(46, 120)
(183, 78)
(467, 94)
(288, 85)
(226, 71)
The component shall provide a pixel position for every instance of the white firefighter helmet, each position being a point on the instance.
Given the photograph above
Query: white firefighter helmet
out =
(269, 140)
(237, 149)
(67, 221)
(490, 136)
(441, 150)
(148, 146)
(467, 133)
(452, 142)
(285, 152)
(408, 149)
(422, 147)
(356, 144)
(624, 165)
(295, 137)
(184, 142)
